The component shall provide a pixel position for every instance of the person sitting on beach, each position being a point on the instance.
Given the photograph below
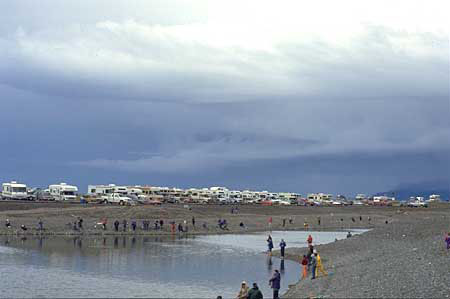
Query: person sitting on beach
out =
(349, 235)
(447, 240)
(255, 293)
(241, 225)
(7, 223)
(133, 225)
(243, 292)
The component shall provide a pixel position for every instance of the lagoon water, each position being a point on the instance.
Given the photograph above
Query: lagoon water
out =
(153, 266)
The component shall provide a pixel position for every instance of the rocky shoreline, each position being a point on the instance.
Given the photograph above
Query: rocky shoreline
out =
(405, 258)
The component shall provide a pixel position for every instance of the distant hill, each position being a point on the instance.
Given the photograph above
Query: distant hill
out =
(425, 189)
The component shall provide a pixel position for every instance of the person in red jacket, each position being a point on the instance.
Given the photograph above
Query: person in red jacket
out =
(305, 266)
(309, 240)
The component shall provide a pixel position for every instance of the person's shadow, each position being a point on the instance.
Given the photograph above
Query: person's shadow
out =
(269, 263)
(282, 267)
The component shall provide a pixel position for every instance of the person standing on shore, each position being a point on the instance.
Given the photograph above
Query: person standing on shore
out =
(282, 247)
(447, 240)
(7, 223)
(275, 283)
(133, 225)
(318, 220)
(309, 240)
(40, 224)
(255, 293)
(304, 266)
(124, 223)
(193, 221)
(319, 265)
(116, 225)
(270, 244)
(243, 292)
(284, 222)
(313, 266)
(80, 223)
(270, 223)
(161, 223)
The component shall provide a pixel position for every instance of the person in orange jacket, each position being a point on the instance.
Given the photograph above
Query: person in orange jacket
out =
(304, 266)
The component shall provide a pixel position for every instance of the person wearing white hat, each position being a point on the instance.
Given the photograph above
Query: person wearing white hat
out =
(243, 292)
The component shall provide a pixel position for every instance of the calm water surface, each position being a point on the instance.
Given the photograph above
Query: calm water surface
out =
(204, 266)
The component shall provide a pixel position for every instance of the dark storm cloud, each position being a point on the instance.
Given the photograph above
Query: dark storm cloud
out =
(182, 101)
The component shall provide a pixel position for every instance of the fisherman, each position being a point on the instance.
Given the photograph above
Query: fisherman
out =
(349, 235)
(40, 224)
(133, 225)
(319, 265)
(275, 282)
(313, 263)
(243, 292)
(282, 247)
(254, 292)
(270, 244)
(124, 223)
(309, 240)
(104, 222)
(80, 223)
(447, 240)
(116, 225)
(7, 223)
(304, 266)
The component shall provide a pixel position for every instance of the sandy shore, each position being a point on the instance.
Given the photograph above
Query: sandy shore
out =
(403, 258)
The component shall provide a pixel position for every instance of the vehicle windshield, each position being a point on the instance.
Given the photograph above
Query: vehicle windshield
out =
(19, 189)
(68, 193)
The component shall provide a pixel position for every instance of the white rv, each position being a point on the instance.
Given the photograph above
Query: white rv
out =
(63, 191)
(14, 190)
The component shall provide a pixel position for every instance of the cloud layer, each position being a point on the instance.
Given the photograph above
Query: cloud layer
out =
(206, 95)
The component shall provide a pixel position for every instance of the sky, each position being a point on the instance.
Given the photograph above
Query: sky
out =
(299, 96)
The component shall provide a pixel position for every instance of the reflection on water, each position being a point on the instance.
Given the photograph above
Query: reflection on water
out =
(150, 266)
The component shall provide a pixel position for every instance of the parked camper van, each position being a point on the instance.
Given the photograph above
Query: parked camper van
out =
(14, 190)
(63, 191)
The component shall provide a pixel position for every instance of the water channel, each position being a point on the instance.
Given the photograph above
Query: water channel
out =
(126, 266)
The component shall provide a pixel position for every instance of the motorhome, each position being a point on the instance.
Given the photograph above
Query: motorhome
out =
(63, 191)
(434, 197)
(14, 190)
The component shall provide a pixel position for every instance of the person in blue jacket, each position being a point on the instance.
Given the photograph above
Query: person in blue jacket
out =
(270, 244)
(282, 246)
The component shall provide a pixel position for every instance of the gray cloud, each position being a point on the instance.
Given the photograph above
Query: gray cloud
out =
(185, 96)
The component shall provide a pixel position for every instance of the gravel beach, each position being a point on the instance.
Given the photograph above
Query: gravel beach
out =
(405, 258)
